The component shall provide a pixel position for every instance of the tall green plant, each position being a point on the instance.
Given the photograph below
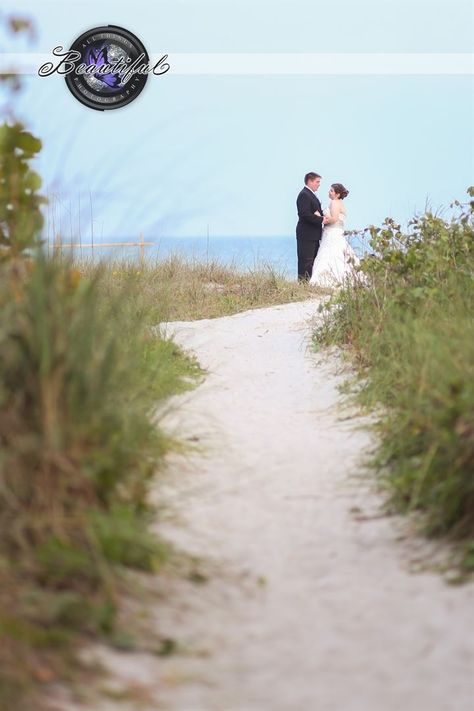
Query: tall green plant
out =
(21, 219)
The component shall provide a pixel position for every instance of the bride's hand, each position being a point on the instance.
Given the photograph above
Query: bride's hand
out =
(317, 213)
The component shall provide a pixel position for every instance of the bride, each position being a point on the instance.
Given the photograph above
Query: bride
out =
(335, 260)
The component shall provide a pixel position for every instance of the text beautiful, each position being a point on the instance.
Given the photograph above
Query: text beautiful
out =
(121, 67)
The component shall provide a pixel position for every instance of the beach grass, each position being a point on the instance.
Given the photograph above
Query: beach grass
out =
(176, 288)
(410, 335)
(82, 376)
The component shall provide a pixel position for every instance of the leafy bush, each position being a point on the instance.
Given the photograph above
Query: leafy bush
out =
(411, 332)
(21, 219)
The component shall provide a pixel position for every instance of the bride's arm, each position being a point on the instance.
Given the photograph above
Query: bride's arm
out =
(334, 209)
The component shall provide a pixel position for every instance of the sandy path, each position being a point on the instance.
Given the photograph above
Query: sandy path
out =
(339, 623)
(307, 608)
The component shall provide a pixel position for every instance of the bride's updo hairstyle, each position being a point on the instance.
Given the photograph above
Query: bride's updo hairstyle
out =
(340, 190)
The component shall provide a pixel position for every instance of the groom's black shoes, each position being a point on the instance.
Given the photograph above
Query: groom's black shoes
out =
(308, 231)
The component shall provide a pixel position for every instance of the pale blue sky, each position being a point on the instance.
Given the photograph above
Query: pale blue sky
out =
(231, 151)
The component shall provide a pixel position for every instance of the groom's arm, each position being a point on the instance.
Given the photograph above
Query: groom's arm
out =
(305, 212)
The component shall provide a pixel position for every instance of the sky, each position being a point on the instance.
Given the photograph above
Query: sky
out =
(228, 152)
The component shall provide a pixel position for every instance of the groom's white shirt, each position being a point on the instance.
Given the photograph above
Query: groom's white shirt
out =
(307, 186)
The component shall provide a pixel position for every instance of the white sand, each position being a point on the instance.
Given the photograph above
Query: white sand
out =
(308, 608)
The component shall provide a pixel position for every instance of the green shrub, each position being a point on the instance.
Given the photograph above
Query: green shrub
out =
(21, 219)
(411, 332)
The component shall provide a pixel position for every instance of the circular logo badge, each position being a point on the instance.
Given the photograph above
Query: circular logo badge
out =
(107, 75)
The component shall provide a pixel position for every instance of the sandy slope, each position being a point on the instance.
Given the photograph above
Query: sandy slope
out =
(308, 607)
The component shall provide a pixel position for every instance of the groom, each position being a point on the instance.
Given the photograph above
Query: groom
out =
(309, 227)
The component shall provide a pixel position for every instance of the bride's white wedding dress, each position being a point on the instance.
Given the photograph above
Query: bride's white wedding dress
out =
(335, 260)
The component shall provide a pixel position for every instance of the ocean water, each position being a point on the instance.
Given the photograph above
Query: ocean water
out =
(244, 253)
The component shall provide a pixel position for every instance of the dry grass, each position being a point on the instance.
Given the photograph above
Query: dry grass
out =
(181, 289)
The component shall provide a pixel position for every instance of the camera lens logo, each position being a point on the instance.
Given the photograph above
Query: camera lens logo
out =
(112, 68)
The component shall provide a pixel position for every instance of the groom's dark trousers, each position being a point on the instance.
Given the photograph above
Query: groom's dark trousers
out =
(308, 232)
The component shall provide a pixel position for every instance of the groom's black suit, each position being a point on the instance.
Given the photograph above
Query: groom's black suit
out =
(308, 231)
